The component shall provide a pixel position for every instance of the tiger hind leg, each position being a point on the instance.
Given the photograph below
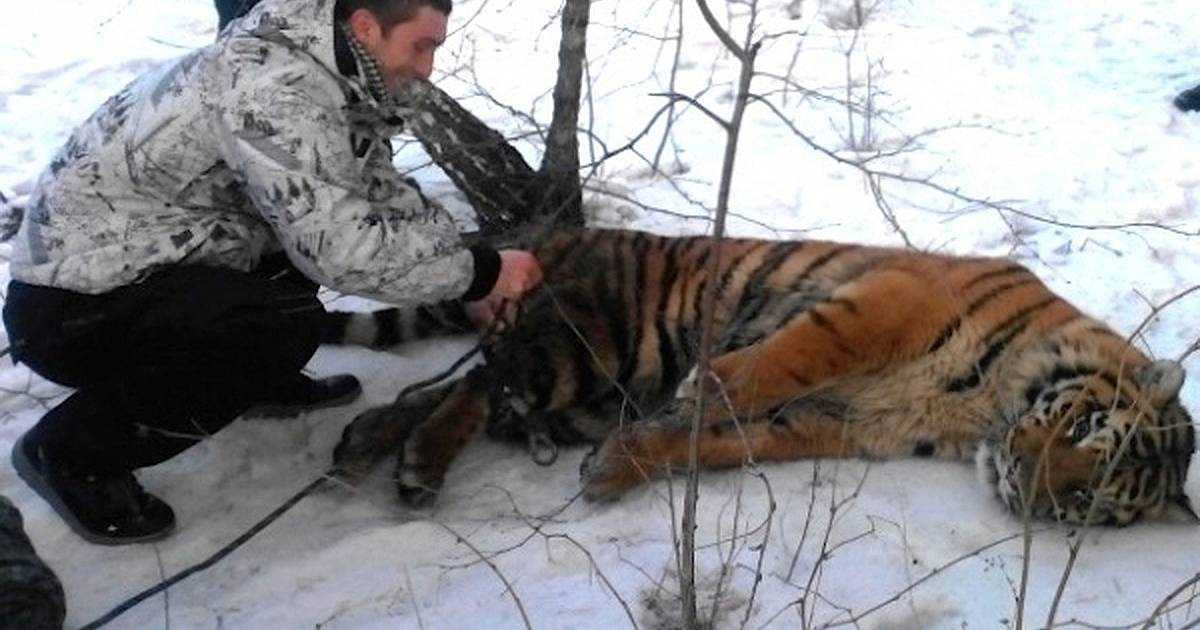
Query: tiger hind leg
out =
(434, 443)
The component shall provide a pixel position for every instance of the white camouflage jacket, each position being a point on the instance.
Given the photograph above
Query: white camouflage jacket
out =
(253, 144)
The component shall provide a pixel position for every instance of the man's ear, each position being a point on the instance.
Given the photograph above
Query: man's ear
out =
(366, 29)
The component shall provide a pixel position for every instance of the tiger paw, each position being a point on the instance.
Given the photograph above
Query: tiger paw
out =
(612, 469)
(416, 486)
(366, 441)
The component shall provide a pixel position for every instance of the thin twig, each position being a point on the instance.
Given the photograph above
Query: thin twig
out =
(1158, 610)
(412, 596)
(733, 129)
(1072, 556)
(491, 565)
(762, 547)
(928, 576)
(162, 575)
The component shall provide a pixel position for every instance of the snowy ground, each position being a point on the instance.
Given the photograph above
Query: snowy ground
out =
(1061, 109)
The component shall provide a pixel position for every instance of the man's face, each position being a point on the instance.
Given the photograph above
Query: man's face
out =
(406, 51)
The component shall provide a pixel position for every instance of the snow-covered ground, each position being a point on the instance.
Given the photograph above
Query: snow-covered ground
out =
(1059, 109)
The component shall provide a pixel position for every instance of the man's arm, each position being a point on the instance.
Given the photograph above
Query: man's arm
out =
(284, 131)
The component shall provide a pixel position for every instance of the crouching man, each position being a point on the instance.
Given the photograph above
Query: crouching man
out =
(168, 261)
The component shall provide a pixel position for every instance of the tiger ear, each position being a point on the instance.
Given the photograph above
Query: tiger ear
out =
(1161, 381)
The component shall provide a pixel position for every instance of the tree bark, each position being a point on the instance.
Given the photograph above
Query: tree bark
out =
(562, 196)
(504, 190)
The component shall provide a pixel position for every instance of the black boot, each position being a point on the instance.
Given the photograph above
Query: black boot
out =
(106, 509)
(1189, 100)
(302, 393)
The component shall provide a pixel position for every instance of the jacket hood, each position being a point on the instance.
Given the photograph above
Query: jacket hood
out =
(306, 24)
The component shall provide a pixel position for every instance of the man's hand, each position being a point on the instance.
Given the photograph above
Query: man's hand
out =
(519, 273)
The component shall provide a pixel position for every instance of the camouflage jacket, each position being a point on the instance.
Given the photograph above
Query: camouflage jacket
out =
(251, 145)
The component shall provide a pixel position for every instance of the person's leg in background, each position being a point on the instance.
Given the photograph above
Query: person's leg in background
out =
(30, 594)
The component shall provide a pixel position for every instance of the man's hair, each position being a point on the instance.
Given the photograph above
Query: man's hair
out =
(389, 12)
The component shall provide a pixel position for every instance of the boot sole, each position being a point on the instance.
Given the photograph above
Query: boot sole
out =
(277, 411)
(29, 474)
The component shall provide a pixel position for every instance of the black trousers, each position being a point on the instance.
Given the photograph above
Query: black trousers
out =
(161, 364)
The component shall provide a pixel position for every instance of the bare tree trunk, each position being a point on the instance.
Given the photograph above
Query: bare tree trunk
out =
(562, 196)
(499, 184)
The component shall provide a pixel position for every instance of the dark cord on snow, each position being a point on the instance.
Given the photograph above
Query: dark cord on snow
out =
(213, 559)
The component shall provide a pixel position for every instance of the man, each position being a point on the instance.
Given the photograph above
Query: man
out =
(168, 261)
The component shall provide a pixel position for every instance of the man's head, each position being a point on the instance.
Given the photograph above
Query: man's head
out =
(402, 35)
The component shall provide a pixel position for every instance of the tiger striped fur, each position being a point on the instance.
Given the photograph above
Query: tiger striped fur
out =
(825, 350)
(392, 326)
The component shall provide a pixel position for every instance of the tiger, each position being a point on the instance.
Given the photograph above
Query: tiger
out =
(820, 350)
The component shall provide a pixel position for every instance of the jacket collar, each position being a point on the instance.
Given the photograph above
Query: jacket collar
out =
(366, 67)
(308, 26)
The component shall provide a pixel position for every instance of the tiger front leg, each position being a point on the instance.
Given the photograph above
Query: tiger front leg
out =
(378, 432)
(887, 315)
(641, 451)
(433, 444)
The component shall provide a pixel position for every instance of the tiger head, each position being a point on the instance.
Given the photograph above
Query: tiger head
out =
(1089, 446)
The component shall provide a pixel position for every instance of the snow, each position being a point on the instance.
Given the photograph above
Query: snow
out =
(1061, 110)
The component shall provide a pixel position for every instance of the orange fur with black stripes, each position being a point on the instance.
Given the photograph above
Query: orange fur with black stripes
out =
(825, 350)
